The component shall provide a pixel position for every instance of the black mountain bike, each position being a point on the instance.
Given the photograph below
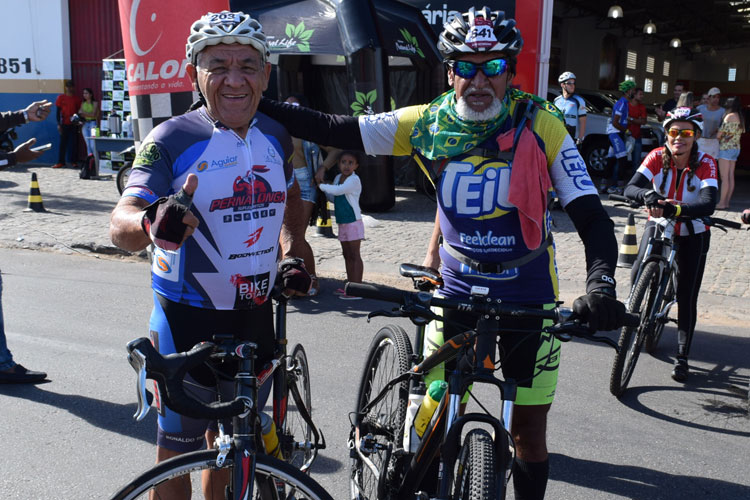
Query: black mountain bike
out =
(652, 296)
(477, 466)
(252, 474)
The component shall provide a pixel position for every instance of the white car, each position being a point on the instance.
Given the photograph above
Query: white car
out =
(599, 104)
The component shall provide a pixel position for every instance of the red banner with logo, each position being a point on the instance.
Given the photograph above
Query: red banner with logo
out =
(154, 33)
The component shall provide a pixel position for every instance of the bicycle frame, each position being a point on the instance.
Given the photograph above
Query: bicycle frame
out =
(444, 431)
(664, 234)
(245, 440)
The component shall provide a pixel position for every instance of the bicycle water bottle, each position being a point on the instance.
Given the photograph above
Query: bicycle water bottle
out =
(429, 405)
(411, 440)
(270, 438)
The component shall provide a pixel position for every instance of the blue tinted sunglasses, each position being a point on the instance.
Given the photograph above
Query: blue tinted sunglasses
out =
(466, 69)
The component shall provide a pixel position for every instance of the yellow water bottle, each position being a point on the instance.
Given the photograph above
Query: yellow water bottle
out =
(270, 438)
(429, 405)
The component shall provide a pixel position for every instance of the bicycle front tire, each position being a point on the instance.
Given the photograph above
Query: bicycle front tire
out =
(631, 338)
(389, 356)
(476, 478)
(296, 484)
(297, 433)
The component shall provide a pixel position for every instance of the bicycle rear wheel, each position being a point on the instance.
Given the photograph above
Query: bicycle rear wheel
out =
(631, 338)
(389, 355)
(285, 480)
(654, 334)
(475, 478)
(297, 433)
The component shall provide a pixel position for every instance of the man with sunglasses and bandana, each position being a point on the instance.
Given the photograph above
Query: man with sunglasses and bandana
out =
(679, 180)
(495, 153)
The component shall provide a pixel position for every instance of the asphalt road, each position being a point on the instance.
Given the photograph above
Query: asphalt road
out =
(74, 437)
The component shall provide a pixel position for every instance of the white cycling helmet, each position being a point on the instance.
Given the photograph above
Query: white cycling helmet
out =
(225, 27)
(464, 34)
(684, 114)
(565, 77)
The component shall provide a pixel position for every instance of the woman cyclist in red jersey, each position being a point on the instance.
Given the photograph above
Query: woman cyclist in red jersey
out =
(678, 180)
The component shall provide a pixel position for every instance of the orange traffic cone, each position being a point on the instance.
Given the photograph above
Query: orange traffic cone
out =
(629, 247)
(35, 197)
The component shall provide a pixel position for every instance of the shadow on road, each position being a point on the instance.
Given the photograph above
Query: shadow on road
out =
(114, 417)
(630, 481)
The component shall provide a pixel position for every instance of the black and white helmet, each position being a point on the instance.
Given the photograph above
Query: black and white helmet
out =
(479, 31)
(225, 27)
(568, 75)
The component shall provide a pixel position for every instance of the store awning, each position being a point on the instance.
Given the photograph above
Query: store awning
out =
(345, 27)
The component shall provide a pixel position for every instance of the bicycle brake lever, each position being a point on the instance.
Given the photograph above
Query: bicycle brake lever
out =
(394, 313)
(138, 361)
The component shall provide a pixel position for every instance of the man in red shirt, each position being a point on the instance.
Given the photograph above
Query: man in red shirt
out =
(636, 118)
(67, 105)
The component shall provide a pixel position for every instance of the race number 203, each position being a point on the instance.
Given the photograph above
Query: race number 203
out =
(15, 65)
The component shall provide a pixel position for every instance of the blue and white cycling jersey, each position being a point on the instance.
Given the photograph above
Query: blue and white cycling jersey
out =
(571, 107)
(620, 114)
(230, 260)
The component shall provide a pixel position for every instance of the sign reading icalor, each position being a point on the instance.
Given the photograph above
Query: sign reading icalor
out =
(154, 35)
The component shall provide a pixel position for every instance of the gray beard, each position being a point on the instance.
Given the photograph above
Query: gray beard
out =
(467, 114)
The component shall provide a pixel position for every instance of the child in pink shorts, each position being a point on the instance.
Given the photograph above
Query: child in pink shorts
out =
(344, 193)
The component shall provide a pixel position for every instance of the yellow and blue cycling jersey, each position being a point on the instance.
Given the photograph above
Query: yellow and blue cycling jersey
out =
(475, 215)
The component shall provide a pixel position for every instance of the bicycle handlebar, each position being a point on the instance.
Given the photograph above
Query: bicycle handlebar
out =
(168, 372)
(423, 300)
(707, 220)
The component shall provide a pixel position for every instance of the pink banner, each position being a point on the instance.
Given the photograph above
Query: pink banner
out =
(154, 34)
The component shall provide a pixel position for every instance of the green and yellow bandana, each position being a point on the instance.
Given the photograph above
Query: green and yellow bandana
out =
(439, 133)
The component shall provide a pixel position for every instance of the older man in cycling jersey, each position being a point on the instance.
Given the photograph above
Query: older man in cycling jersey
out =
(495, 153)
(215, 261)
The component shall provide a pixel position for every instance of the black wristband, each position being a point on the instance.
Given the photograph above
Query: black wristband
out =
(606, 290)
(600, 281)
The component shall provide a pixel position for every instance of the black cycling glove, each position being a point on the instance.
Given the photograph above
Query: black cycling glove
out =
(651, 197)
(293, 275)
(162, 220)
(600, 309)
(668, 210)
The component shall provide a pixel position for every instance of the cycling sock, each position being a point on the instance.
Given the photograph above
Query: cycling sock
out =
(530, 479)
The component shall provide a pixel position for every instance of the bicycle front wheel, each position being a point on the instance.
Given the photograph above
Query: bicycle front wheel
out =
(389, 356)
(297, 433)
(285, 480)
(476, 478)
(631, 338)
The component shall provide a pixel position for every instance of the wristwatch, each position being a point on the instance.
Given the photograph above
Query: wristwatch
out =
(25, 116)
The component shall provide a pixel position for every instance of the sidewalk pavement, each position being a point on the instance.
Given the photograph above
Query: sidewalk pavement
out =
(77, 220)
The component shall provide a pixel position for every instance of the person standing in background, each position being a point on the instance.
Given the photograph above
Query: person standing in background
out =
(89, 111)
(344, 192)
(10, 371)
(686, 100)
(572, 107)
(670, 104)
(732, 127)
(617, 128)
(67, 105)
(712, 116)
(636, 118)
